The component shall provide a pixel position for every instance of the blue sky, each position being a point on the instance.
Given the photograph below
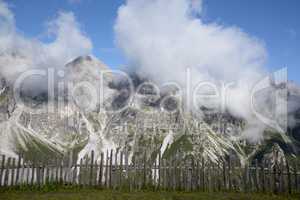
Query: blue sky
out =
(275, 22)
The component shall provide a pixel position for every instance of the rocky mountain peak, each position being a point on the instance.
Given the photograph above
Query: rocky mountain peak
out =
(84, 61)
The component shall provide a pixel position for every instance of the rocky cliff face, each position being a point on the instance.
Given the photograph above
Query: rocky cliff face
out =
(73, 126)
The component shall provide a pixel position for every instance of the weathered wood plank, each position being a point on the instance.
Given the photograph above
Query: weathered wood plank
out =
(48, 173)
(192, 169)
(274, 177)
(246, 178)
(115, 171)
(2, 170)
(270, 178)
(100, 170)
(38, 174)
(22, 173)
(91, 182)
(86, 172)
(18, 170)
(174, 173)
(110, 169)
(224, 175)
(256, 181)
(7, 172)
(96, 172)
(56, 170)
(203, 178)
(61, 172)
(27, 173)
(144, 170)
(159, 171)
(33, 170)
(155, 174)
(229, 174)
(75, 173)
(121, 171)
(106, 169)
(288, 178)
(296, 176)
(281, 178)
(80, 172)
(13, 167)
(263, 174)
(127, 169)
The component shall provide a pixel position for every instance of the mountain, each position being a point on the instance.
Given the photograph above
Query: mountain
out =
(79, 119)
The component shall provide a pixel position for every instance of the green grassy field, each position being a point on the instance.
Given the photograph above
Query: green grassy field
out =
(90, 194)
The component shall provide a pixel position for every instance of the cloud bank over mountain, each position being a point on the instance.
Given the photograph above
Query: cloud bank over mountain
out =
(163, 38)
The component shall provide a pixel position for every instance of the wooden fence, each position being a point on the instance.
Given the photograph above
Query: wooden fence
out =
(115, 170)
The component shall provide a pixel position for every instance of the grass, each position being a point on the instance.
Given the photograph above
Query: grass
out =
(91, 194)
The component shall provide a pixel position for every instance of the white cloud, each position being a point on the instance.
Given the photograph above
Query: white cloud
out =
(69, 42)
(19, 53)
(161, 38)
(158, 36)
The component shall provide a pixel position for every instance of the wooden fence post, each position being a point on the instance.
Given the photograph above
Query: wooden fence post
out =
(144, 170)
(127, 168)
(86, 171)
(270, 179)
(281, 177)
(101, 171)
(27, 173)
(48, 170)
(134, 171)
(203, 175)
(22, 173)
(75, 171)
(256, 182)
(32, 173)
(115, 171)
(296, 176)
(209, 177)
(121, 171)
(43, 173)
(165, 173)
(263, 174)
(175, 173)
(159, 171)
(106, 169)
(192, 170)
(38, 174)
(13, 167)
(274, 178)
(18, 170)
(246, 173)
(229, 174)
(80, 171)
(288, 177)
(180, 176)
(168, 167)
(224, 174)
(7, 172)
(154, 175)
(2, 169)
(110, 169)
(91, 169)
(61, 168)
